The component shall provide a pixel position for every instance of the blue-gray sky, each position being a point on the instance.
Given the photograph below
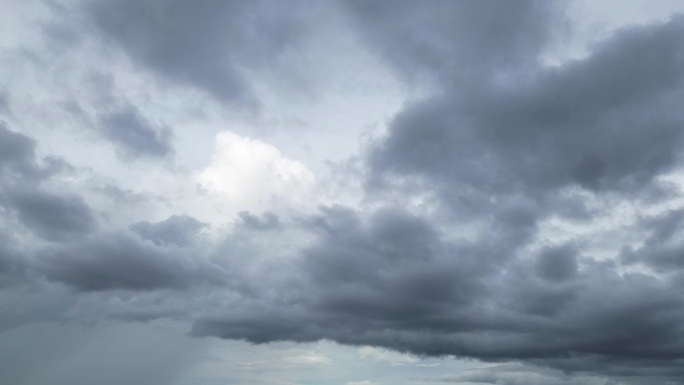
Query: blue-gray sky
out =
(347, 192)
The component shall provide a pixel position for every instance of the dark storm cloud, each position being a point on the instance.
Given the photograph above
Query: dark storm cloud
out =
(388, 272)
(48, 215)
(392, 281)
(134, 135)
(178, 230)
(207, 44)
(119, 261)
(357, 262)
(557, 263)
(12, 265)
(456, 40)
(607, 122)
(51, 216)
(8, 260)
(663, 249)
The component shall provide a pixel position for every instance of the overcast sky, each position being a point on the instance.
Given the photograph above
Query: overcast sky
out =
(352, 192)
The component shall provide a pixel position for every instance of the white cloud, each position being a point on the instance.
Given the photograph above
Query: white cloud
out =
(432, 365)
(243, 174)
(250, 174)
(385, 355)
(307, 359)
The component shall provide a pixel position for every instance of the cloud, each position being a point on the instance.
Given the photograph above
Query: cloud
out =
(207, 44)
(503, 144)
(663, 246)
(455, 40)
(307, 359)
(581, 124)
(557, 264)
(16, 152)
(19, 162)
(507, 152)
(176, 230)
(134, 136)
(122, 196)
(518, 375)
(49, 215)
(250, 173)
(4, 102)
(114, 261)
(12, 266)
(369, 352)
(464, 303)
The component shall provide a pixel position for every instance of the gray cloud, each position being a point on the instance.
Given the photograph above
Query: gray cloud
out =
(4, 102)
(122, 196)
(207, 44)
(119, 261)
(456, 41)
(16, 152)
(594, 123)
(18, 161)
(518, 375)
(12, 265)
(134, 136)
(663, 248)
(176, 230)
(389, 272)
(392, 280)
(268, 221)
(7, 260)
(502, 150)
(557, 264)
(49, 215)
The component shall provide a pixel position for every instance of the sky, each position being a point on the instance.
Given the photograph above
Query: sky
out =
(341, 192)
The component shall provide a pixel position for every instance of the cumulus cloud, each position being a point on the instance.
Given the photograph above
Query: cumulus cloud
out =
(248, 172)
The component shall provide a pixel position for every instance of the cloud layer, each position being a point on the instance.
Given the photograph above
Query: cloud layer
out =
(522, 214)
